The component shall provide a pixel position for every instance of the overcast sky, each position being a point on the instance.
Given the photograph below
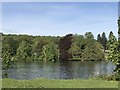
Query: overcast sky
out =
(42, 18)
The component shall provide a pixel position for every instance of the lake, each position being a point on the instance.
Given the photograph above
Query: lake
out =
(59, 70)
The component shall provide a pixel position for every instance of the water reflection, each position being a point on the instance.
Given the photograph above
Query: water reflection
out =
(59, 70)
(65, 70)
(103, 68)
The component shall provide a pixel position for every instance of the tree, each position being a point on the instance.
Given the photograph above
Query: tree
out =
(13, 44)
(64, 46)
(26, 47)
(99, 39)
(110, 34)
(118, 61)
(89, 35)
(49, 52)
(113, 53)
(75, 51)
(6, 56)
(24, 51)
(92, 50)
(76, 48)
(119, 29)
(38, 43)
(104, 41)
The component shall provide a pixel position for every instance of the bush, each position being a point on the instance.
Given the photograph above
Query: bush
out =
(112, 77)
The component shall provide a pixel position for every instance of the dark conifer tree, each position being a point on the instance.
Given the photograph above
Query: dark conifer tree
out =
(99, 39)
(110, 34)
(104, 41)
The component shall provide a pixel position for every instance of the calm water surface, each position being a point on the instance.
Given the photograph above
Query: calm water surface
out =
(60, 70)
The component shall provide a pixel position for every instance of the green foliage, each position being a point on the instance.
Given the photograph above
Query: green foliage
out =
(104, 40)
(110, 34)
(37, 45)
(6, 56)
(12, 44)
(114, 49)
(49, 52)
(111, 77)
(75, 51)
(24, 51)
(92, 49)
(89, 35)
(86, 48)
(48, 48)
(99, 39)
(28, 48)
(113, 53)
(118, 61)
(119, 29)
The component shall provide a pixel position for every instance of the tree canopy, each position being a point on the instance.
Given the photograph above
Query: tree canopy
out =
(50, 48)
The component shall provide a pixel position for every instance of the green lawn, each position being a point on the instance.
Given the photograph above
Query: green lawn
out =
(0, 84)
(55, 83)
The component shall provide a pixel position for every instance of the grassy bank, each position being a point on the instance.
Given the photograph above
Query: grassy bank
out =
(55, 83)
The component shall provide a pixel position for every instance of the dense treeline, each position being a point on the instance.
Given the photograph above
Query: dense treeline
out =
(50, 48)
(86, 48)
(27, 48)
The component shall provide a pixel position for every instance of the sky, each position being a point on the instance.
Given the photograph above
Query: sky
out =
(59, 18)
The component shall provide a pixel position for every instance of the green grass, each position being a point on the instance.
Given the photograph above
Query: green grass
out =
(0, 84)
(57, 83)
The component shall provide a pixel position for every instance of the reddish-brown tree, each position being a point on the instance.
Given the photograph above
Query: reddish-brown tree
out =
(64, 46)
